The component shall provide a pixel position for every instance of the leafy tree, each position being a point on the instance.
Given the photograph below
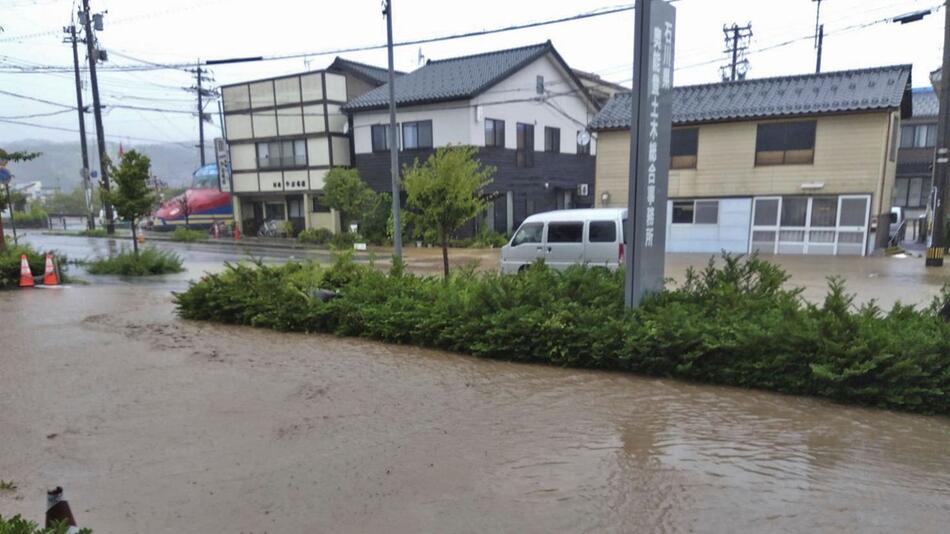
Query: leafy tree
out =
(347, 193)
(444, 193)
(131, 194)
(6, 157)
(71, 203)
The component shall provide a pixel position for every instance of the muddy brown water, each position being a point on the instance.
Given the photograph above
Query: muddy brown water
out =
(153, 424)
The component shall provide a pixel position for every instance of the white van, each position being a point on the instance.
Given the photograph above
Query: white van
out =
(567, 237)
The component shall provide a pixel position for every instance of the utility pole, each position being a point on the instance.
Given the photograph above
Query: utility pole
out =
(87, 186)
(942, 161)
(93, 53)
(821, 40)
(737, 40)
(393, 149)
(201, 75)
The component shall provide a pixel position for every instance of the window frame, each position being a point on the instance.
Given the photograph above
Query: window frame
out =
(687, 159)
(774, 143)
(294, 160)
(524, 153)
(521, 229)
(317, 200)
(580, 235)
(496, 133)
(552, 140)
(385, 128)
(590, 233)
(418, 126)
(693, 209)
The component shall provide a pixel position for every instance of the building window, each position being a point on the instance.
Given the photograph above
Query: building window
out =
(552, 139)
(282, 154)
(696, 212)
(919, 136)
(319, 203)
(785, 143)
(416, 135)
(684, 144)
(494, 133)
(525, 154)
(794, 210)
(583, 150)
(824, 212)
(380, 133)
(911, 192)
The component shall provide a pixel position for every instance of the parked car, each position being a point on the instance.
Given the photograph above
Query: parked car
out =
(567, 237)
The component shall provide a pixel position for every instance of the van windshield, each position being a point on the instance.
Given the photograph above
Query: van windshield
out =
(528, 233)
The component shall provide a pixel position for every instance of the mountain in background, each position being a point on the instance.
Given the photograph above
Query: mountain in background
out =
(59, 163)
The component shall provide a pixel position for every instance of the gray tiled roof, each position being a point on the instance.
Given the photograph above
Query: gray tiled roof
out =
(380, 75)
(451, 79)
(925, 102)
(829, 92)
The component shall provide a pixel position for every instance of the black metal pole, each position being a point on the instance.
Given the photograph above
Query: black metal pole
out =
(735, 49)
(201, 122)
(393, 138)
(821, 40)
(97, 112)
(87, 186)
(942, 161)
(12, 220)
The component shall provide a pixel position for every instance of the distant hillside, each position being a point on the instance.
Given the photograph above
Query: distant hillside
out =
(59, 164)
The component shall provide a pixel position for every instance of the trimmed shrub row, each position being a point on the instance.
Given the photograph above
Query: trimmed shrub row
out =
(149, 261)
(734, 324)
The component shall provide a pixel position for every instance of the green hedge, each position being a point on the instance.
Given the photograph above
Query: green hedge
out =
(148, 262)
(735, 324)
(186, 235)
(18, 525)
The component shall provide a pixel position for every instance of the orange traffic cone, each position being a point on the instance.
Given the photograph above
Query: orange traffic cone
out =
(26, 276)
(50, 278)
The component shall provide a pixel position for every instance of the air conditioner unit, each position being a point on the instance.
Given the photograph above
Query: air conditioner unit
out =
(583, 190)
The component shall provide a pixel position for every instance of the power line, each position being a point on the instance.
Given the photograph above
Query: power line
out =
(71, 130)
(35, 115)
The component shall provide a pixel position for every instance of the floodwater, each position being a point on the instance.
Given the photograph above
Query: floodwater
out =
(153, 424)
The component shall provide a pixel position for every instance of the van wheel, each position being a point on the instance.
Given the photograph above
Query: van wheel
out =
(522, 269)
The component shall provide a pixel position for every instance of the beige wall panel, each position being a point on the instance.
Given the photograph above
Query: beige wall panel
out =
(265, 124)
(238, 126)
(316, 178)
(336, 87)
(244, 182)
(287, 90)
(318, 152)
(272, 181)
(236, 98)
(312, 87)
(295, 180)
(262, 94)
(341, 151)
(243, 157)
(290, 121)
(313, 119)
(337, 118)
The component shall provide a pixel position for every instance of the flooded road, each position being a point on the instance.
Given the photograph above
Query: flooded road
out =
(153, 424)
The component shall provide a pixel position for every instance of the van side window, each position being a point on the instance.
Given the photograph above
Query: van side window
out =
(528, 233)
(566, 232)
(602, 232)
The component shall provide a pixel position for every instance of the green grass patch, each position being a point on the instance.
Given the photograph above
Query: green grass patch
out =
(315, 236)
(18, 525)
(733, 323)
(187, 235)
(148, 262)
(7, 485)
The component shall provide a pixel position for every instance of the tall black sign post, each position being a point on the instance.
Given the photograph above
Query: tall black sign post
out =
(651, 120)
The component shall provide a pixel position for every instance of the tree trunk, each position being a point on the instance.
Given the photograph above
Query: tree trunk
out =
(445, 254)
(3, 239)
(135, 241)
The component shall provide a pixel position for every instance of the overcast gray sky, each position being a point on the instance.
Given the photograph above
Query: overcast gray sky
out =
(183, 30)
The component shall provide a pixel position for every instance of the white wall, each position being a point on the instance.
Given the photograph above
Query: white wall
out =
(450, 124)
(730, 234)
(522, 86)
(455, 122)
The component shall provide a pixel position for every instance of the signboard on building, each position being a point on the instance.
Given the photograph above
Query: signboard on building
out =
(651, 122)
(224, 164)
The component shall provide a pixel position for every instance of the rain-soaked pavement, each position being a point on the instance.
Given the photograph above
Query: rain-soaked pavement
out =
(153, 424)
